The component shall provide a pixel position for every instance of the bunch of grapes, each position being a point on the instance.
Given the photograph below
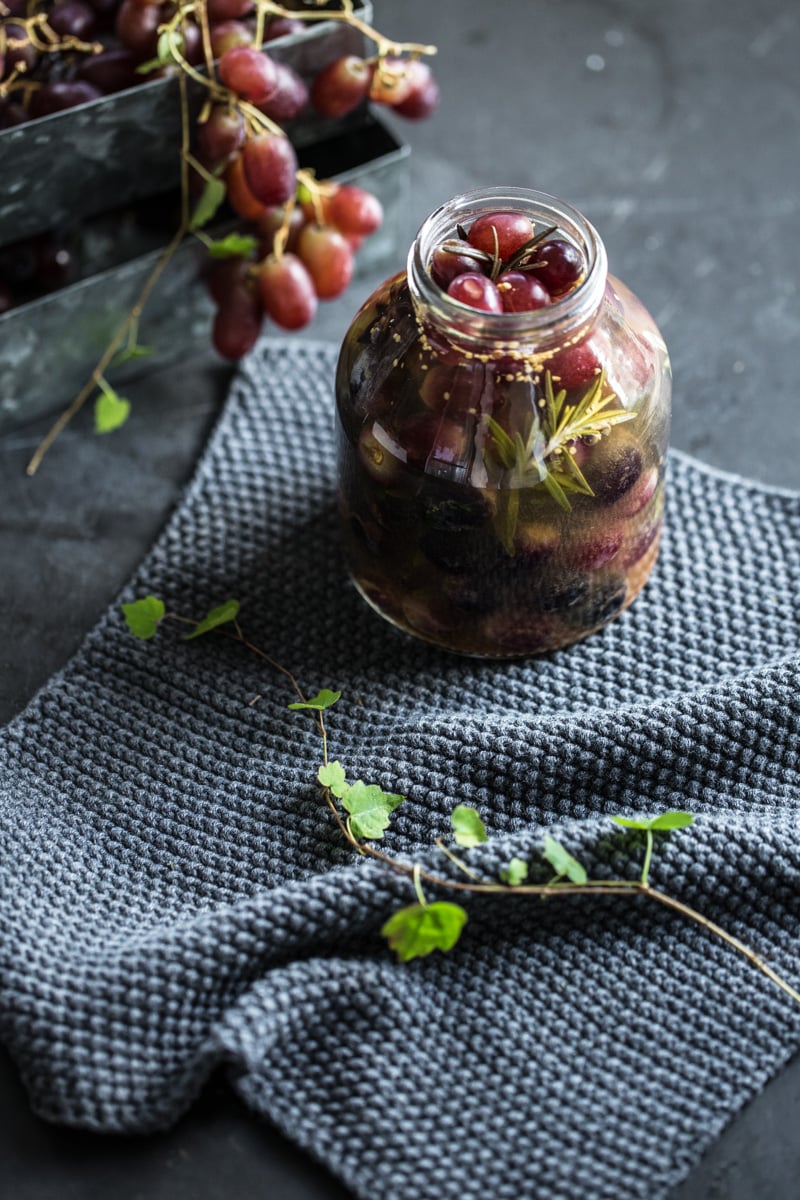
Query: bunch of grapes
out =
(302, 233)
(303, 253)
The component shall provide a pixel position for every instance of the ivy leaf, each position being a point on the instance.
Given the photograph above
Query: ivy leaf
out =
(142, 616)
(323, 699)
(673, 819)
(110, 410)
(217, 616)
(369, 808)
(515, 873)
(235, 245)
(562, 861)
(419, 929)
(211, 197)
(331, 775)
(468, 827)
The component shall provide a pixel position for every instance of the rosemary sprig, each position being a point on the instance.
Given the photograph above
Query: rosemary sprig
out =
(517, 259)
(543, 454)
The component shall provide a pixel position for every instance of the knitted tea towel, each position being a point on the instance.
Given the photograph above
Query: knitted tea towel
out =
(174, 892)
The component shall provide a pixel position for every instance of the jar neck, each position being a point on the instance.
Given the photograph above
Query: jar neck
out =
(519, 334)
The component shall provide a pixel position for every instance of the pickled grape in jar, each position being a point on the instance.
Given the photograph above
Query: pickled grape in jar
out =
(503, 417)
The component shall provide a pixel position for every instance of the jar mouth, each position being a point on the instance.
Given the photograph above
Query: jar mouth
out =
(543, 327)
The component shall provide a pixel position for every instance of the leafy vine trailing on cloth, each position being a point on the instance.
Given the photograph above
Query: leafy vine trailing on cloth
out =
(363, 812)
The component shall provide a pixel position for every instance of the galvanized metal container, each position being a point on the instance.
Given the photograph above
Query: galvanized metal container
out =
(49, 347)
(73, 164)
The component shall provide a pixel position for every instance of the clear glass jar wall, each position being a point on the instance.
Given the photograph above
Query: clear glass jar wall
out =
(501, 475)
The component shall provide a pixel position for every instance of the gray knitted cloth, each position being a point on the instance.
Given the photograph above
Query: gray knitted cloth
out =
(174, 893)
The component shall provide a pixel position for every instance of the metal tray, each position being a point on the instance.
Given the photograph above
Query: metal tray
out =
(76, 163)
(49, 347)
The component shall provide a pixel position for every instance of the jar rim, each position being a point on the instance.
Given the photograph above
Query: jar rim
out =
(544, 326)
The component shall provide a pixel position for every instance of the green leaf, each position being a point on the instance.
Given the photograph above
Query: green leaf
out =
(515, 873)
(130, 352)
(331, 775)
(110, 410)
(164, 54)
(164, 45)
(152, 64)
(673, 819)
(562, 861)
(220, 615)
(468, 827)
(210, 199)
(504, 446)
(556, 491)
(369, 808)
(419, 929)
(323, 699)
(142, 616)
(235, 245)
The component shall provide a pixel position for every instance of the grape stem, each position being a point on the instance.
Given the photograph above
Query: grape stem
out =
(132, 320)
(385, 45)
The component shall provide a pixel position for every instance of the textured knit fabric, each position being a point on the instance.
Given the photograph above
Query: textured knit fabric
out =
(174, 893)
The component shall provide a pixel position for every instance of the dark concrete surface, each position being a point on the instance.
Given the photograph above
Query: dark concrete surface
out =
(675, 128)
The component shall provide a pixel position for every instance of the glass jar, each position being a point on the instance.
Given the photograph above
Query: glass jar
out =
(501, 475)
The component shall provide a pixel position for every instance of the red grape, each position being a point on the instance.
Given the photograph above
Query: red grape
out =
(328, 258)
(341, 86)
(435, 438)
(287, 291)
(239, 196)
(564, 265)
(237, 326)
(240, 315)
(271, 221)
(476, 291)
(55, 97)
(574, 366)
(227, 34)
(111, 71)
(72, 18)
(270, 166)
(289, 98)
(596, 551)
(190, 42)
(513, 230)
(353, 210)
(137, 28)
(221, 135)
(392, 83)
(25, 55)
(445, 265)
(521, 293)
(424, 94)
(226, 276)
(281, 27)
(247, 72)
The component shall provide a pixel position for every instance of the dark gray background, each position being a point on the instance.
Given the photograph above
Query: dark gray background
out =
(675, 128)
